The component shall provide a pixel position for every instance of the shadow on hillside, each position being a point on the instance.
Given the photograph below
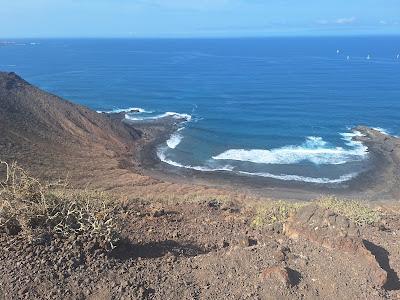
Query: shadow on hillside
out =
(295, 276)
(382, 257)
(127, 250)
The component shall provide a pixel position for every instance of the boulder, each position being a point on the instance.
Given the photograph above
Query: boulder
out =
(327, 229)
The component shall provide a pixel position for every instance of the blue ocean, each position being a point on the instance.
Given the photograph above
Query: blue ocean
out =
(280, 108)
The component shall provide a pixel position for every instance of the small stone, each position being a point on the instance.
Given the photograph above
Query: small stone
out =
(12, 228)
(125, 283)
(279, 256)
(171, 258)
(277, 273)
(214, 204)
(176, 234)
(277, 227)
(224, 244)
(158, 213)
(87, 280)
(23, 291)
(248, 242)
(382, 227)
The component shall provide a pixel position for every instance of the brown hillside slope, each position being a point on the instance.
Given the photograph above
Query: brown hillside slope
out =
(43, 131)
(47, 117)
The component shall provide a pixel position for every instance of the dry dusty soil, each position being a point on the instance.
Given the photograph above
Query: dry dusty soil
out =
(210, 250)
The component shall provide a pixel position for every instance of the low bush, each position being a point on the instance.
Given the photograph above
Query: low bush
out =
(275, 212)
(27, 207)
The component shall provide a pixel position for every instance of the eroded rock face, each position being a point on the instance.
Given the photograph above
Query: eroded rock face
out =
(327, 229)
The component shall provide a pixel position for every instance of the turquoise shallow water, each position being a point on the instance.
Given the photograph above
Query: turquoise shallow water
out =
(277, 107)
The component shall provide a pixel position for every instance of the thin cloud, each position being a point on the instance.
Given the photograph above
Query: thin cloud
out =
(388, 23)
(340, 21)
(344, 21)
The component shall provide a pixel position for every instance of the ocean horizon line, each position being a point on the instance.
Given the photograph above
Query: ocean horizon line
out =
(239, 37)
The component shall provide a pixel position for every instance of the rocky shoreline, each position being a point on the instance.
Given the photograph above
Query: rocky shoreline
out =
(385, 150)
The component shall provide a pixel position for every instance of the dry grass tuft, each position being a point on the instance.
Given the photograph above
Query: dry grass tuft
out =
(170, 198)
(274, 212)
(360, 213)
(28, 206)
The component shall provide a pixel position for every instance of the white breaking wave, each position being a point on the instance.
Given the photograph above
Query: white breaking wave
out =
(285, 177)
(126, 110)
(314, 150)
(381, 130)
(348, 137)
(136, 114)
(174, 115)
(161, 155)
(174, 140)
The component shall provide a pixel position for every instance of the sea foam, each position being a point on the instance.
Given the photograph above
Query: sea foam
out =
(161, 153)
(285, 177)
(125, 110)
(174, 140)
(175, 115)
(381, 130)
(314, 150)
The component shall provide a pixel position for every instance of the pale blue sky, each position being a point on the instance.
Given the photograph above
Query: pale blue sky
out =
(196, 18)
